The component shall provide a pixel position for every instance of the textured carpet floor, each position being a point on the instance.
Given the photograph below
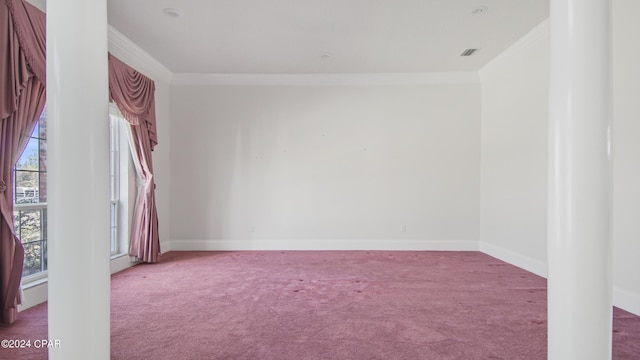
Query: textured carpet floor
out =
(326, 305)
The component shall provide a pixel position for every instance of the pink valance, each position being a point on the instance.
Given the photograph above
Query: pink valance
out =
(23, 51)
(133, 93)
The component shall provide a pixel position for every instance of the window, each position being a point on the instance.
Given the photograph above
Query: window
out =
(119, 171)
(114, 174)
(30, 199)
(30, 194)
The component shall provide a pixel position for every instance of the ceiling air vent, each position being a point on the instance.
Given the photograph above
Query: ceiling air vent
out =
(468, 52)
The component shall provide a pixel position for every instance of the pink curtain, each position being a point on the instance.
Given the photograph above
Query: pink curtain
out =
(22, 98)
(133, 93)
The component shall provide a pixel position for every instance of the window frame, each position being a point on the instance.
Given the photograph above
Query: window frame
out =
(20, 207)
(120, 182)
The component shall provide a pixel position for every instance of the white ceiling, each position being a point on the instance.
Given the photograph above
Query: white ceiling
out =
(355, 36)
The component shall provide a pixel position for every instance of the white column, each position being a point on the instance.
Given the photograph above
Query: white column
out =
(579, 233)
(78, 179)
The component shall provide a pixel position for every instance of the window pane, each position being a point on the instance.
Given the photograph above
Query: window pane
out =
(31, 228)
(32, 258)
(114, 227)
(29, 224)
(35, 257)
(26, 187)
(114, 123)
(26, 179)
(16, 223)
(36, 129)
(29, 158)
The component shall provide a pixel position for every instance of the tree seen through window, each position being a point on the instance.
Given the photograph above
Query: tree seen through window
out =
(30, 197)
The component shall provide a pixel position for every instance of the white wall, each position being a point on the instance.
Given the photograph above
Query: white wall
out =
(325, 167)
(626, 154)
(514, 152)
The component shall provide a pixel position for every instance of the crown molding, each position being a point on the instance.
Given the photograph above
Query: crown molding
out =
(126, 50)
(325, 79)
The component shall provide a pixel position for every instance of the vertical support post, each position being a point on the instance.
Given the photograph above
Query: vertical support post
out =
(78, 179)
(580, 172)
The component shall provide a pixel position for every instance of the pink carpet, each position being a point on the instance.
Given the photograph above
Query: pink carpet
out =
(326, 305)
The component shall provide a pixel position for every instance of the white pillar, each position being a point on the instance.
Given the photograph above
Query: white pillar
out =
(78, 179)
(579, 233)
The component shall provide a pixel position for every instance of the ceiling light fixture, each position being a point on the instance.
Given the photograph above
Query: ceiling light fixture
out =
(480, 10)
(172, 13)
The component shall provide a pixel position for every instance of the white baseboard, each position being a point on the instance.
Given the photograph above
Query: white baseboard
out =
(622, 298)
(37, 293)
(527, 263)
(408, 245)
(120, 263)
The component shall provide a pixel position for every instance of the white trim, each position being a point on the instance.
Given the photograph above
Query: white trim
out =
(165, 246)
(626, 300)
(34, 294)
(527, 263)
(29, 206)
(540, 32)
(326, 79)
(125, 195)
(126, 50)
(34, 279)
(36, 290)
(121, 262)
(331, 244)
(622, 298)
